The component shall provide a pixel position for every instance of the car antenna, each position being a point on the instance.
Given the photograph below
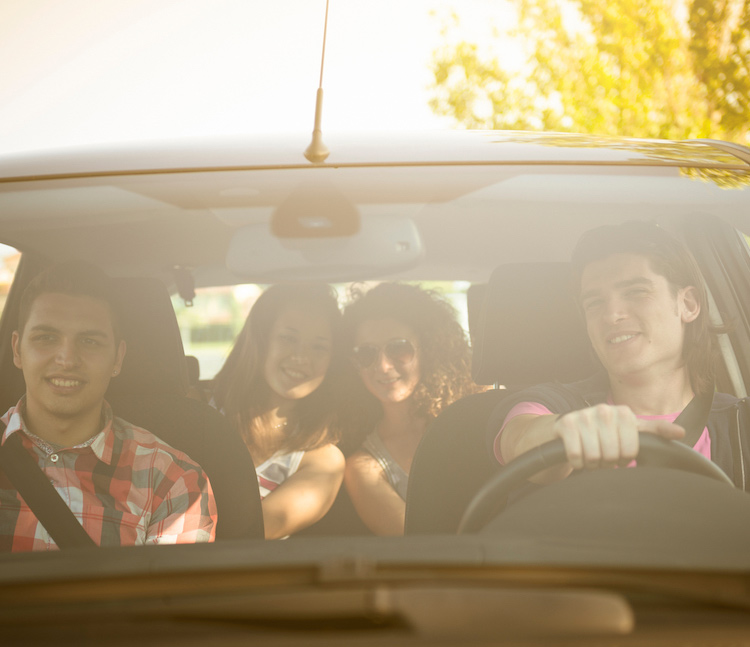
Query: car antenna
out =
(317, 152)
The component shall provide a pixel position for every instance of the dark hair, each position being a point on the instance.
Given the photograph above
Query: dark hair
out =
(240, 388)
(75, 278)
(671, 259)
(445, 355)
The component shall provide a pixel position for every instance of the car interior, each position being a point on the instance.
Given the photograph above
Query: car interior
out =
(525, 328)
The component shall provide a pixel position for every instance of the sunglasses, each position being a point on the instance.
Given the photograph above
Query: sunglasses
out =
(397, 351)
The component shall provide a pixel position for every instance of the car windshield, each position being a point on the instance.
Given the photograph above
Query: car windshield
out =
(370, 395)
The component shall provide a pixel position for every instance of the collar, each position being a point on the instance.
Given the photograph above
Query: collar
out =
(102, 443)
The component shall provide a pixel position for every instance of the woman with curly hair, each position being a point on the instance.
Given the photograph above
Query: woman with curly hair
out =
(276, 390)
(413, 359)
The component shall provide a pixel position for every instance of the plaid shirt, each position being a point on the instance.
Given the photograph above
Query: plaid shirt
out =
(124, 485)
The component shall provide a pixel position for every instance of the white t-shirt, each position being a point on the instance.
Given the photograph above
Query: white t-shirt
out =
(277, 469)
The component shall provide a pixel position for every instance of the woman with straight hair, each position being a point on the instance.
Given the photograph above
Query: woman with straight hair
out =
(276, 390)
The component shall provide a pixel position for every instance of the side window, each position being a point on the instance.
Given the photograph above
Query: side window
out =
(9, 259)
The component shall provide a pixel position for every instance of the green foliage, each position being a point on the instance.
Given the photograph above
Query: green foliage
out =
(721, 43)
(629, 68)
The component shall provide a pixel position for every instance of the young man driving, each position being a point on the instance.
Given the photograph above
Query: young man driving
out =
(123, 484)
(646, 314)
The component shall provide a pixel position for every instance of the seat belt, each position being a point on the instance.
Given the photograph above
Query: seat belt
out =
(40, 495)
(694, 417)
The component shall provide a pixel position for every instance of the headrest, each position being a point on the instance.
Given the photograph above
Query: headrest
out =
(530, 330)
(193, 370)
(474, 305)
(155, 359)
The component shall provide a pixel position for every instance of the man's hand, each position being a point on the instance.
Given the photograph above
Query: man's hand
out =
(606, 435)
(601, 436)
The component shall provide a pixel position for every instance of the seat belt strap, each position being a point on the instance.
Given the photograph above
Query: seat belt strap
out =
(694, 417)
(40, 495)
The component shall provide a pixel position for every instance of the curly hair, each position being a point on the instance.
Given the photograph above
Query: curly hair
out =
(444, 352)
(240, 389)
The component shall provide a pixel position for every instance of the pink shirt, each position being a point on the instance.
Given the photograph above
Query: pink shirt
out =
(703, 446)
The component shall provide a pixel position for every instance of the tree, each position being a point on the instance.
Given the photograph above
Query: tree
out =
(629, 67)
(721, 45)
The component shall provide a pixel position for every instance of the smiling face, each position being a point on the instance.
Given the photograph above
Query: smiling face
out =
(634, 317)
(299, 353)
(391, 382)
(68, 354)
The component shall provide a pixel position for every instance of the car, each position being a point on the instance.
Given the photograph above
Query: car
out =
(645, 555)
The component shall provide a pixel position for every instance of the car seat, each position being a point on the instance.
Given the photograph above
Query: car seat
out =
(529, 331)
(474, 304)
(151, 392)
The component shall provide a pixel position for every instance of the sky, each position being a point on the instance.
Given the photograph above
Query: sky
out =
(77, 72)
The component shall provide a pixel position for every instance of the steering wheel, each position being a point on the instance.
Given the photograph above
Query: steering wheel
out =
(491, 499)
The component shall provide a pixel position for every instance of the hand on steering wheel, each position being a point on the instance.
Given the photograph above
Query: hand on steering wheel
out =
(606, 435)
(491, 499)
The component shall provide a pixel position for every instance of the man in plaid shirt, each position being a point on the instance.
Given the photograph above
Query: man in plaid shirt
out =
(123, 484)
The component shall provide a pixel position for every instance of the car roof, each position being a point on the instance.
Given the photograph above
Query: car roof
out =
(430, 147)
